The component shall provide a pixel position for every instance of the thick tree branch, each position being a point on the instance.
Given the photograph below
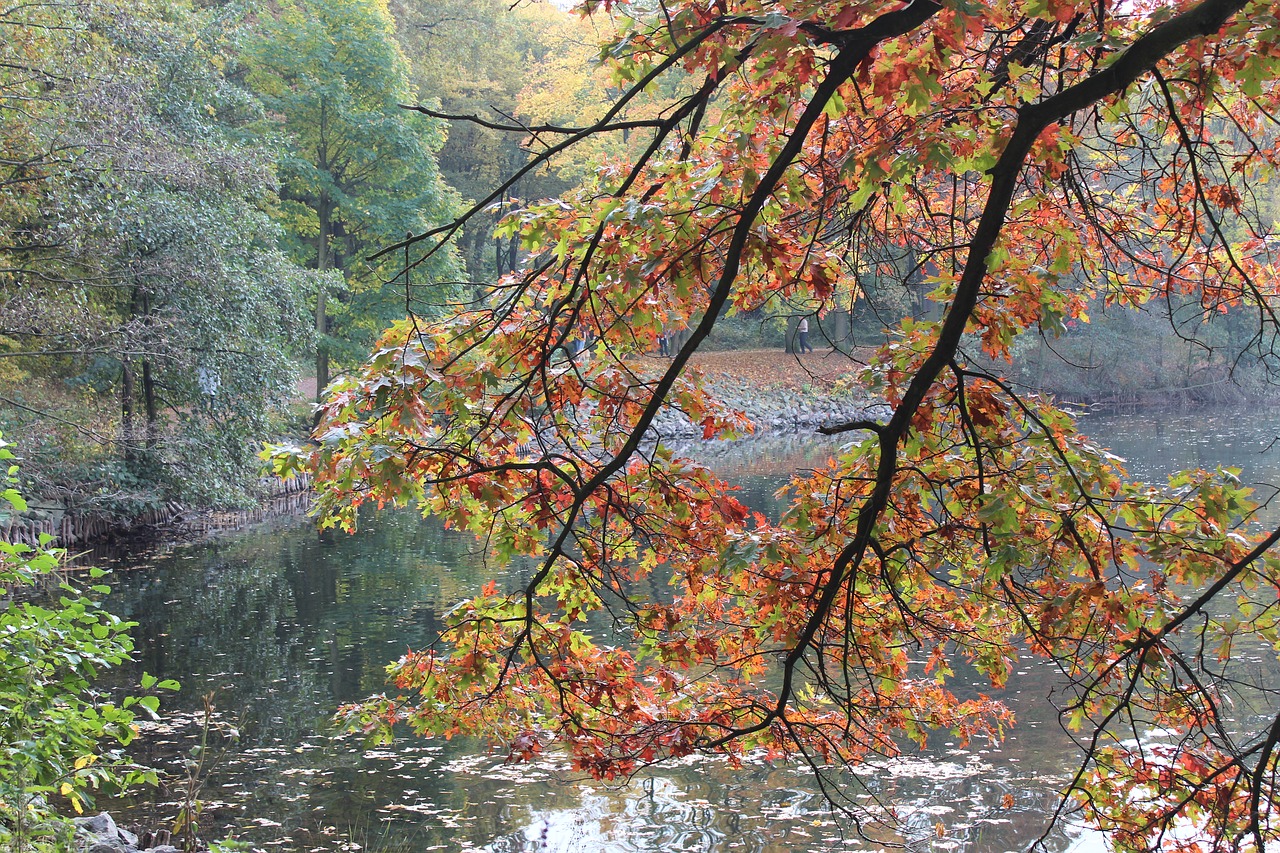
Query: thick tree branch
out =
(1139, 58)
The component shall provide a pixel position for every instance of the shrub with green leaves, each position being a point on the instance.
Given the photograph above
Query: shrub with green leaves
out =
(60, 739)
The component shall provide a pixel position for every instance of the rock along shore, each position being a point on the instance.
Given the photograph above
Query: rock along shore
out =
(778, 409)
(100, 834)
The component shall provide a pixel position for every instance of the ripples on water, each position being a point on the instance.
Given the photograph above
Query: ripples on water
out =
(282, 628)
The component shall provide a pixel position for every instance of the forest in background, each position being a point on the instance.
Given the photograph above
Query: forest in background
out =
(190, 194)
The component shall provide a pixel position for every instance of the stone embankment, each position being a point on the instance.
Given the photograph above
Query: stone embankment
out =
(773, 413)
(100, 834)
(781, 393)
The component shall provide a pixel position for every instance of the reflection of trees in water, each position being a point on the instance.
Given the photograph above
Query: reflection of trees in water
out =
(762, 808)
(284, 627)
(958, 801)
(227, 627)
(422, 795)
(1156, 444)
(242, 613)
(287, 626)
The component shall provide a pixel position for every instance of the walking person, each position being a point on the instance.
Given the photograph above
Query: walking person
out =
(802, 336)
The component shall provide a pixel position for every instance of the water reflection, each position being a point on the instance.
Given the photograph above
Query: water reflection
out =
(1154, 444)
(282, 627)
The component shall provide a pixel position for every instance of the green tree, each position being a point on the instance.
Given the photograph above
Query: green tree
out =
(46, 53)
(148, 272)
(486, 59)
(360, 170)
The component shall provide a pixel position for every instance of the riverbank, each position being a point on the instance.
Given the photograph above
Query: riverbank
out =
(780, 393)
(92, 533)
(101, 834)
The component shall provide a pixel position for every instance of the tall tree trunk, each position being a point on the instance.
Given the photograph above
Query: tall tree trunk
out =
(126, 409)
(323, 263)
(148, 384)
(497, 245)
(475, 252)
(149, 400)
(128, 385)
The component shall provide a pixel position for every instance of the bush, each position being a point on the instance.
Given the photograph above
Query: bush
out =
(60, 740)
(747, 331)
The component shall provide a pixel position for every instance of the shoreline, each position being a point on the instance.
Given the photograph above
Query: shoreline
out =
(96, 535)
(781, 394)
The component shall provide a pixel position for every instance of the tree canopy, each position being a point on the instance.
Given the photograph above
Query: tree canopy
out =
(1036, 157)
(360, 171)
(478, 57)
(147, 313)
(180, 186)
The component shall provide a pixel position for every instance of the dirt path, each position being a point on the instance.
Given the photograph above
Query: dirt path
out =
(764, 369)
(772, 368)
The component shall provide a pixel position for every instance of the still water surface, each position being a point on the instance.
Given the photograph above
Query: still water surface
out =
(281, 628)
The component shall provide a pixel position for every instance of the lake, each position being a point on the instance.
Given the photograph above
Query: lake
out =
(279, 627)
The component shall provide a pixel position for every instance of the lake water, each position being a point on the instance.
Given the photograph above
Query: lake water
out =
(280, 627)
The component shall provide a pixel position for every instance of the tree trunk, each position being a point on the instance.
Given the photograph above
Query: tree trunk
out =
(149, 385)
(126, 409)
(149, 401)
(790, 341)
(500, 266)
(128, 385)
(323, 263)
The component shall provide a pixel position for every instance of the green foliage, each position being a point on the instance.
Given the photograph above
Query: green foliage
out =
(228, 845)
(359, 171)
(477, 58)
(144, 270)
(59, 738)
(747, 331)
(1149, 355)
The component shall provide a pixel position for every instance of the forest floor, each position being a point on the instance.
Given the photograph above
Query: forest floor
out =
(765, 369)
(761, 369)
